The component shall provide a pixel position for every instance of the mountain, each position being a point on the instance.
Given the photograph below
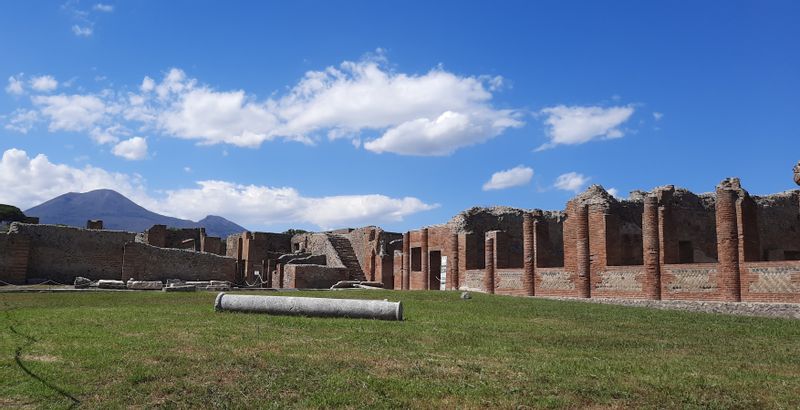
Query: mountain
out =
(119, 213)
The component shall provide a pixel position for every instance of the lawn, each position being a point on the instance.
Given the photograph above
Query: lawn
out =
(144, 349)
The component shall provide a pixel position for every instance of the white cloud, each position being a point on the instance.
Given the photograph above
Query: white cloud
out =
(15, 85)
(614, 192)
(131, 149)
(30, 181)
(516, 176)
(44, 83)
(571, 181)
(434, 113)
(105, 8)
(22, 121)
(71, 112)
(147, 84)
(578, 125)
(82, 31)
(658, 116)
(430, 114)
(252, 204)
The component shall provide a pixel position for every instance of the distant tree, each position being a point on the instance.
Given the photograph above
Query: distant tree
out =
(294, 231)
(10, 213)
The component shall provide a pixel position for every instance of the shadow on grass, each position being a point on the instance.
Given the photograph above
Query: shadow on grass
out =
(18, 359)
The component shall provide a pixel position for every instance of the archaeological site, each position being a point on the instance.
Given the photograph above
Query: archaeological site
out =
(665, 244)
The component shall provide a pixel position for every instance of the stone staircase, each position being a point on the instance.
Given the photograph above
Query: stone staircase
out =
(341, 244)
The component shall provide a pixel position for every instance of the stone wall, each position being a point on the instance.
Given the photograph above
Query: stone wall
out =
(145, 262)
(61, 253)
(14, 253)
(312, 276)
(779, 226)
(317, 244)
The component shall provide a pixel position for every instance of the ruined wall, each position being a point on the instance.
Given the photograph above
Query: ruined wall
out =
(312, 276)
(61, 253)
(317, 244)
(691, 237)
(232, 245)
(211, 244)
(550, 239)
(145, 262)
(478, 221)
(366, 243)
(258, 247)
(779, 226)
(14, 253)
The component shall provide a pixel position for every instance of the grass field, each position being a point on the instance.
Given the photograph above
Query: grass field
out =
(156, 349)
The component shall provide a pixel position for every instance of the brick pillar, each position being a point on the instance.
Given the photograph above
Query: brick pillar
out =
(727, 245)
(406, 273)
(582, 249)
(452, 264)
(426, 271)
(650, 244)
(280, 275)
(528, 279)
(488, 273)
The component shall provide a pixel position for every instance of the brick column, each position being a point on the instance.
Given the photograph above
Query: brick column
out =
(527, 253)
(650, 244)
(488, 273)
(406, 272)
(426, 271)
(582, 249)
(727, 245)
(452, 264)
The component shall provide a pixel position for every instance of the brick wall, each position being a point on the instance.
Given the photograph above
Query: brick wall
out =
(693, 281)
(145, 262)
(509, 282)
(777, 281)
(620, 282)
(557, 282)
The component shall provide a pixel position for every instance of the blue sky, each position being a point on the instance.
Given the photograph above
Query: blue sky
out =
(329, 114)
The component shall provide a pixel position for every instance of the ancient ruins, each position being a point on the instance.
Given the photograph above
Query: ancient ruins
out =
(667, 244)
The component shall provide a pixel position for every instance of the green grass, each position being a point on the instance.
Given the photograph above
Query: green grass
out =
(172, 350)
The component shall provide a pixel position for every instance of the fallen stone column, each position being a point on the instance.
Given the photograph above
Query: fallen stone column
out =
(317, 307)
(145, 284)
(110, 284)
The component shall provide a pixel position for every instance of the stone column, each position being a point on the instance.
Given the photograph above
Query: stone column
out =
(452, 264)
(582, 249)
(426, 271)
(650, 244)
(406, 272)
(488, 273)
(727, 245)
(528, 251)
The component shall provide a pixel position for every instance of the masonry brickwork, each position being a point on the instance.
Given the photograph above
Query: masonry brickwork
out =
(666, 244)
